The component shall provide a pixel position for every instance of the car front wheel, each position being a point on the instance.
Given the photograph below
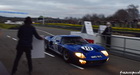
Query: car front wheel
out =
(66, 56)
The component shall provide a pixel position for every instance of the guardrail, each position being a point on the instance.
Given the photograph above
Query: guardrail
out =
(125, 46)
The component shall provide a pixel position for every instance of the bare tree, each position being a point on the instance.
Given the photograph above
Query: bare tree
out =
(133, 12)
(121, 15)
(87, 17)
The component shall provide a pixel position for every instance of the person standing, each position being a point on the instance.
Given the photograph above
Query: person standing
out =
(25, 35)
(107, 35)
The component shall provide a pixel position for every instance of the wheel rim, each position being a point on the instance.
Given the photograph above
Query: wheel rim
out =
(65, 55)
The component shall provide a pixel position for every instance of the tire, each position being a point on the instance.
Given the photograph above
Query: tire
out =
(66, 56)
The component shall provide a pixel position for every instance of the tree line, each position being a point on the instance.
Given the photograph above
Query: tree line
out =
(128, 17)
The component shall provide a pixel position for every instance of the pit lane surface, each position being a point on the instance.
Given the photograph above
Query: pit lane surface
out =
(53, 64)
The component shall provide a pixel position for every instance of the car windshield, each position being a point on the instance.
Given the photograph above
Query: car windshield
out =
(73, 40)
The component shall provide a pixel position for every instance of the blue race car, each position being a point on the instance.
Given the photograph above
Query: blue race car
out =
(75, 49)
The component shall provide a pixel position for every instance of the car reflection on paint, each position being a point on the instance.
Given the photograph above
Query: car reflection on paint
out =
(76, 49)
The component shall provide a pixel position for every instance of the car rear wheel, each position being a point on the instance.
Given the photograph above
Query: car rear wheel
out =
(66, 56)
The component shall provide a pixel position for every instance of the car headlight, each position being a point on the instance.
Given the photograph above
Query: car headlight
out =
(105, 53)
(80, 55)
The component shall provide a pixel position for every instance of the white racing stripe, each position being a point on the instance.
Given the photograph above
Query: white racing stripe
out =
(49, 54)
(45, 32)
(77, 66)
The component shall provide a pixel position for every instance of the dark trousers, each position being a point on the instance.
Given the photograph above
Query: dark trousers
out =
(107, 39)
(19, 53)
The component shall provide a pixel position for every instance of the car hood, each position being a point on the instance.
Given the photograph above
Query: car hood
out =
(84, 47)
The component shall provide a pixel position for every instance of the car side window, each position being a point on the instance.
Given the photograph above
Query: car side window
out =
(57, 39)
(53, 39)
(63, 41)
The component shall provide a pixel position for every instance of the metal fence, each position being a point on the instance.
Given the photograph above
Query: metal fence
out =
(123, 46)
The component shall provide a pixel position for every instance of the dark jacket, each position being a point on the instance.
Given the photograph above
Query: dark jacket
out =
(107, 31)
(25, 35)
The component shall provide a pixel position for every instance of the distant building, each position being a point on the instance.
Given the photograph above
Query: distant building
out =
(16, 22)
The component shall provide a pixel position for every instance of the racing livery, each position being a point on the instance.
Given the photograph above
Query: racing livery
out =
(74, 48)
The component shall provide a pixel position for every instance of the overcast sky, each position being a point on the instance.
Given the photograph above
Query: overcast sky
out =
(63, 8)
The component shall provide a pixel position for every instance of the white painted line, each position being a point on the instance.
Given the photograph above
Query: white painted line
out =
(49, 54)
(8, 36)
(45, 32)
(77, 66)
(11, 37)
(14, 39)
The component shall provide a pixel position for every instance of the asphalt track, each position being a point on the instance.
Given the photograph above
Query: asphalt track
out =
(53, 64)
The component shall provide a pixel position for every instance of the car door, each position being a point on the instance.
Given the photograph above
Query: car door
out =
(56, 42)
